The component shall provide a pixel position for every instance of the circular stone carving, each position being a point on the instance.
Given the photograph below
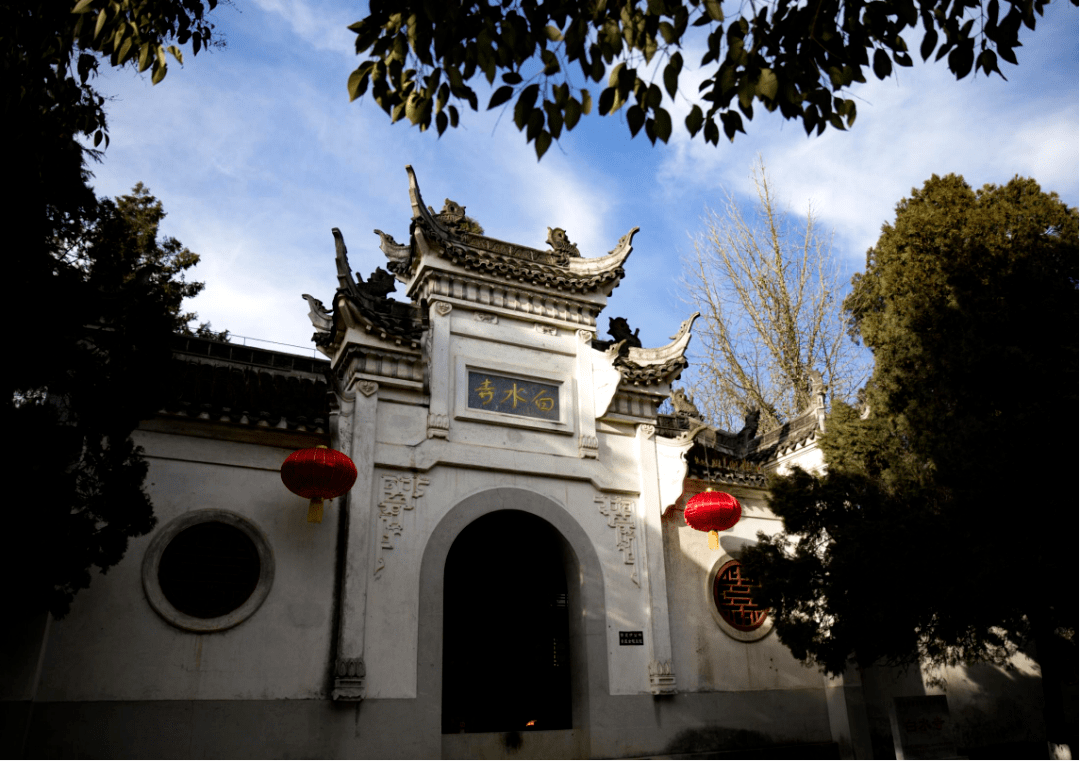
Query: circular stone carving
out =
(208, 570)
(730, 598)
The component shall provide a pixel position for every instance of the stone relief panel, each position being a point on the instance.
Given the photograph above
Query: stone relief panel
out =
(621, 515)
(398, 493)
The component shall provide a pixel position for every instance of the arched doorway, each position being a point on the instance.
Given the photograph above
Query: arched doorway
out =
(506, 631)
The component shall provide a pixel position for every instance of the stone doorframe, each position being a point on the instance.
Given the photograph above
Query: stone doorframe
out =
(585, 600)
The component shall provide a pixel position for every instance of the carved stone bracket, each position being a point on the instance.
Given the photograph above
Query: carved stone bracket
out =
(588, 446)
(621, 516)
(443, 308)
(438, 426)
(585, 336)
(349, 676)
(367, 388)
(647, 430)
(662, 678)
(399, 493)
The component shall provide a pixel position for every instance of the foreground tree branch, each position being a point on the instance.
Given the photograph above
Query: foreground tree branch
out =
(798, 58)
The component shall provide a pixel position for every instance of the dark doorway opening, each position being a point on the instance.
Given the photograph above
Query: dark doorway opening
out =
(506, 633)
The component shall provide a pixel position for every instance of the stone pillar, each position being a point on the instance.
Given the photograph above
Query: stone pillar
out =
(440, 372)
(349, 670)
(661, 675)
(588, 445)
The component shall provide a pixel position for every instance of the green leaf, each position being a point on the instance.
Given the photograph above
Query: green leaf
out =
(177, 54)
(524, 107)
(635, 119)
(553, 33)
(534, 125)
(667, 31)
(663, 124)
(100, 23)
(671, 74)
(767, 85)
(929, 43)
(607, 100)
(613, 78)
(543, 141)
(125, 49)
(714, 9)
(357, 84)
(500, 96)
(159, 73)
(551, 62)
(882, 64)
(849, 112)
(712, 132)
(732, 124)
(144, 57)
(83, 6)
(694, 120)
(960, 61)
(441, 122)
(586, 102)
(573, 113)
(511, 78)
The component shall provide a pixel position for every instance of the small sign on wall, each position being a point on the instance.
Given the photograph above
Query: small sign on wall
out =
(631, 638)
(513, 396)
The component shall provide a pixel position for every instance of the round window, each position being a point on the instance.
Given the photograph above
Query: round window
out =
(208, 570)
(731, 600)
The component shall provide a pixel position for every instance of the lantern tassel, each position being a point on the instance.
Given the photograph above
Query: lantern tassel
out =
(714, 540)
(314, 511)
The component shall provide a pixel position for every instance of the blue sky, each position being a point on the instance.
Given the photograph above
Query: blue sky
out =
(256, 153)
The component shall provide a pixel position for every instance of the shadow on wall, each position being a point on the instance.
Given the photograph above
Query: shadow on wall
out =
(995, 712)
(741, 743)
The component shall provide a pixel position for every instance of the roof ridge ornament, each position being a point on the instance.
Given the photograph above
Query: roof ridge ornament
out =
(344, 271)
(662, 354)
(561, 245)
(399, 254)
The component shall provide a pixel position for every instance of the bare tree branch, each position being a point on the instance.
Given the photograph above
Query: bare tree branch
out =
(769, 291)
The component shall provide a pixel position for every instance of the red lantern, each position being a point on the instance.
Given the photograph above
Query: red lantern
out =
(712, 511)
(317, 474)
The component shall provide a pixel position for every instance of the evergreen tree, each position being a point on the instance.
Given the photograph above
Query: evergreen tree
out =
(115, 292)
(926, 540)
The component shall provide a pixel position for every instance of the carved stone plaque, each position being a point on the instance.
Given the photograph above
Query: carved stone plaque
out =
(513, 396)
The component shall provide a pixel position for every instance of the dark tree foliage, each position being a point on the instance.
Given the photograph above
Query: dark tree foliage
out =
(797, 57)
(94, 296)
(78, 475)
(928, 538)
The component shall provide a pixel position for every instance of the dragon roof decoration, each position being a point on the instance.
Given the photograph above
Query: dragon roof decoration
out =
(452, 236)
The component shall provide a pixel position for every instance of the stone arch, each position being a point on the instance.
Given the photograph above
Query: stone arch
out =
(585, 592)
